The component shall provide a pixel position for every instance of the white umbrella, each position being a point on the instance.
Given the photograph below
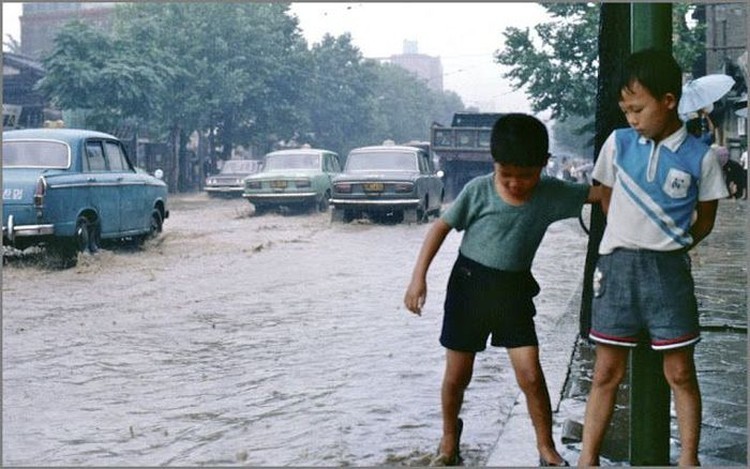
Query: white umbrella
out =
(704, 91)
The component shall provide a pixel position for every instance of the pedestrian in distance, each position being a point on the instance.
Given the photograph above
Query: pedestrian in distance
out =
(661, 191)
(504, 216)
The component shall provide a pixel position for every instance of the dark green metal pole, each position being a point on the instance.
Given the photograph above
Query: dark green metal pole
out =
(649, 392)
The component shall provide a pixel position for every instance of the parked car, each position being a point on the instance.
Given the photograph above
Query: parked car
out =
(230, 181)
(394, 181)
(69, 189)
(298, 178)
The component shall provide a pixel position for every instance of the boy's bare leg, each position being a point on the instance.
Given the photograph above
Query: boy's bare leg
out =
(609, 371)
(459, 367)
(530, 378)
(679, 370)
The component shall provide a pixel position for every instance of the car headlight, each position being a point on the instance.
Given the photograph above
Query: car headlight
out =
(302, 182)
(252, 184)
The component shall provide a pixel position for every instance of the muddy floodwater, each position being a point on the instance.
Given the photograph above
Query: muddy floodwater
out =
(241, 340)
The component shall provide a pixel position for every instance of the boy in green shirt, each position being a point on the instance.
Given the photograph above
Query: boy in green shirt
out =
(504, 216)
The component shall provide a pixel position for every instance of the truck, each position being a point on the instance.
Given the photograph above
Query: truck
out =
(462, 151)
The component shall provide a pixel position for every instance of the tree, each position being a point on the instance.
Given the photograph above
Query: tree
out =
(238, 69)
(237, 74)
(558, 64)
(93, 71)
(12, 44)
(341, 95)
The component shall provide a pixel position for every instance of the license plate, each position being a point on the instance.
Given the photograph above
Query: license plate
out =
(373, 186)
(278, 184)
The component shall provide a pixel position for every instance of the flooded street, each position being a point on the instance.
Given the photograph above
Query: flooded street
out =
(241, 340)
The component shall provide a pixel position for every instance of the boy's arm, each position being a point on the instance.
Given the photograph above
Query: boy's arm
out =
(416, 293)
(600, 194)
(704, 221)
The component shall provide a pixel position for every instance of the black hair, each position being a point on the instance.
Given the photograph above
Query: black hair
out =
(520, 140)
(656, 70)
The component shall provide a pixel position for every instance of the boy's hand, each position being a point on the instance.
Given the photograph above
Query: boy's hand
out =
(415, 296)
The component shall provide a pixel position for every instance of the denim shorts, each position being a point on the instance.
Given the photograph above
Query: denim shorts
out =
(642, 296)
(482, 301)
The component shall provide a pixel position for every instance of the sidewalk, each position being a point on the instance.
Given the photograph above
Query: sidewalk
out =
(720, 272)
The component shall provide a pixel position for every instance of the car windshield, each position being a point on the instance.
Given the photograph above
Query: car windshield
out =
(382, 161)
(35, 154)
(292, 161)
(239, 166)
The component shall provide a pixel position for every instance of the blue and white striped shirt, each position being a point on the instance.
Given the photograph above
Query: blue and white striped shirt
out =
(655, 188)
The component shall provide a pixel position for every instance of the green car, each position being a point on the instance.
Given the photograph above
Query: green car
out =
(299, 178)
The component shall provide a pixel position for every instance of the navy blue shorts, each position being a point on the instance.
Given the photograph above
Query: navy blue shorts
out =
(642, 295)
(482, 301)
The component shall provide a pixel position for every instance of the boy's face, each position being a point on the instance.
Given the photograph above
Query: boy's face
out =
(518, 181)
(651, 117)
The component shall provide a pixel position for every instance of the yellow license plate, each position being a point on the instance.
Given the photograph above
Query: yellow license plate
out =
(373, 186)
(278, 184)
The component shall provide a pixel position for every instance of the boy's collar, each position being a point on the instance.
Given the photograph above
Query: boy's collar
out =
(672, 142)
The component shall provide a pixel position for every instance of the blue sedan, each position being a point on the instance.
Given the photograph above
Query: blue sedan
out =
(69, 189)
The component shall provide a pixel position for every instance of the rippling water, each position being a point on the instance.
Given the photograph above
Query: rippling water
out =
(239, 340)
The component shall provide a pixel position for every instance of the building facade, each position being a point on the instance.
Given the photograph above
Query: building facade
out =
(429, 69)
(726, 53)
(40, 22)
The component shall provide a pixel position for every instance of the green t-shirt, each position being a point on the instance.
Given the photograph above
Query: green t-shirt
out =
(506, 237)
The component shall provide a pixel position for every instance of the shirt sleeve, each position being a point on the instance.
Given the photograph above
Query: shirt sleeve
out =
(568, 198)
(456, 215)
(604, 168)
(712, 184)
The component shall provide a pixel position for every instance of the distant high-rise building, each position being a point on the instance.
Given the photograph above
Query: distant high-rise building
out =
(40, 22)
(429, 69)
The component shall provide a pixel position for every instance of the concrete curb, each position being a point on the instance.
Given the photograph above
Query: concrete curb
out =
(516, 444)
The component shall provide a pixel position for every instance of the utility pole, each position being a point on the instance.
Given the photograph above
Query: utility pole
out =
(649, 391)
(626, 28)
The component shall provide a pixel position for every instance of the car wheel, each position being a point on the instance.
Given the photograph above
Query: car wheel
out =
(415, 215)
(324, 202)
(157, 224)
(260, 209)
(82, 236)
(95, 236)
(337, 215)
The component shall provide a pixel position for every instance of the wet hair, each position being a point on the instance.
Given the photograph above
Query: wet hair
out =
(656, 70)
(520, 140)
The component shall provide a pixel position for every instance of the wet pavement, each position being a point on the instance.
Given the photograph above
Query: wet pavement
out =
(721, 277)
(282, 340)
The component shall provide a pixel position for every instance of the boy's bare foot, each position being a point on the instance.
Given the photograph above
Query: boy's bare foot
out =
(449, 451)
(550, 457)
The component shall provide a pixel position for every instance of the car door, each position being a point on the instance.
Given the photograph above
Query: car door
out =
(132, 202)
(104, 192)
(333, 168)
(431, 182)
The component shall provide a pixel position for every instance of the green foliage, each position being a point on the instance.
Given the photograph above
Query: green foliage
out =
(340, 94)
(557, 64)
(92, 71)
(239, 73)
(560, 73)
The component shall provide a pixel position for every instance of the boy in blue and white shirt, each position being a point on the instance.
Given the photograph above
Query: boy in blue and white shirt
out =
(661, 192)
